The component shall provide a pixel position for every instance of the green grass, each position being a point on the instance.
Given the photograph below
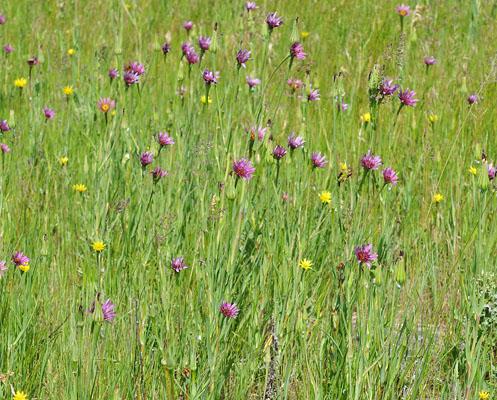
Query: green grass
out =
(409, 328)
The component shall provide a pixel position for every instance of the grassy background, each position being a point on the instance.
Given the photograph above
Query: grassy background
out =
(408, 329)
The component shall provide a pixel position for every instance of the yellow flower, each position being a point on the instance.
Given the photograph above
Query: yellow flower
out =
(63, 161)
(344, 167)
(472, 170)
(68, 90)
(98, 246)
(366, 117)
(433, 118)
(304, 34)
(20, 82)
(484, 395)
(204, 100)
(325, 197)
(71, 52)
(24, 267)
(438, 197)
(80, 188)
(305, 264)
(20, 396)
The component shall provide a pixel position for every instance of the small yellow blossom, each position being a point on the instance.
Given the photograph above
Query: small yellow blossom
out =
(20, 82)
(472, 170)
(344, 167)
(98, 246)
(63, 161)
(204, 99)
(305, 264)
(438, 197)
(71, 52)
(79, 187)
(366, 117)
(433, 118)
(325, 197)
(304, 34)
(20, 396)
(24, 267)
(68, 90)
(484, 395)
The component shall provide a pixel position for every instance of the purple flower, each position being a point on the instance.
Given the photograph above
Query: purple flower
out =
(18, 258)
(106, 104)
(2, 19)
(387, 88)
(166, 48)
(273, 21)
(313, 95)
(430, 60)
(146, 158)
(297, 51)
(491, 172)
(294, 142)
(406, 97)
(49, 113)
(229, 310)
(192, 57)
(243, 168)
(204, 43)
(164, 139)
(370, 161)
(188, 25)
(279, 152)
(136, 67)
(258, 131)
(3, 268)
(365, 254)
(403, 10)
(318, 160)
(295, 84)
(210, 77)
(473, 99)
(186, 47)
(341, 106)
(242, 57)
(113, 73)
(130, 78)
(250, 6)
(158, 173)
(390, 176)
(4, 126)
(4, 148)
(33, 61)
(108, 311)
(8, 49)
(252, 82)
(178, 264)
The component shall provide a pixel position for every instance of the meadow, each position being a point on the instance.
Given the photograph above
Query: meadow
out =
(208, 200)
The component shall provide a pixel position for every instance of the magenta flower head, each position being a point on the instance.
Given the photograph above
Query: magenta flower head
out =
(318, 160)
(243, 169)
(130, 78)
(407, 98)
(113, 73)
(257, 131)
(390, 176)
(297, 51)
(313, 95)
(229, 310)
(8, 49)
(4, 126)
(3, 268)
(242, 57)
(166, 48)
(294, 142)
(2, 19)
(4, 148)
(164, 139)
(491, 172)
(49, 113)
(136, 67)
(387, 88)
(108, 311)
(295, 84)
(186, 47)
(365, 254)
(106, 104)
(146, 158)
(370, 162)
(279, 152)
(273, 21)
(250, 6)
(252, 82)
(192, 57)
(188, 25)
(32, 61)
(341, 106)
(210, 77)
(473, 99)
(429, 60)
(204, 43)
(403, 10)
(19, 258)
(178, 264)
(158, 173)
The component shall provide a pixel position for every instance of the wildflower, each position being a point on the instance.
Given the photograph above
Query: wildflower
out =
(8, 48)
(437, 198)
(205, 100)
(136, 67)
(242, 57)
(24, 267)
(429, 60)
(258, 131)
(20, 83)
(2, 19)
(406, 97)
(3, 268)
(113, 73)
(68, 90)
(32, 61)
(273, 21)
(366, 117)
(472, 170)
(325, 197)
(313, 95)
(297, 51)
(344, 173)
(318, 160)
(79, 187)
(20, 259)
(98, 246)
(252, 82)
(192, 57)
(146, 158)
(188, 25)
(403, 10)
(250, 6)
(229, 310)
(71, 52)
(472, 99)
(243, 168)
(305, 264)
(387, 88)
(279, 152)
(491, 172)
(108, 311)
(4, 126)
(295, 84)
(204, 42)
(210, 77)
(484, 395)
(390, 176)
(433, 118)
(304, 34)
(20, 396)
(187, 47)
(178, 264)
(294, 142)
(158, 173)
(106, 104)
(365, 254)
(130, 78)
(164, 139)
(49, 113)
(4, 148)
(63, 161)
(341, 106)
(166, 48)
(285, 197)
(370, 161)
